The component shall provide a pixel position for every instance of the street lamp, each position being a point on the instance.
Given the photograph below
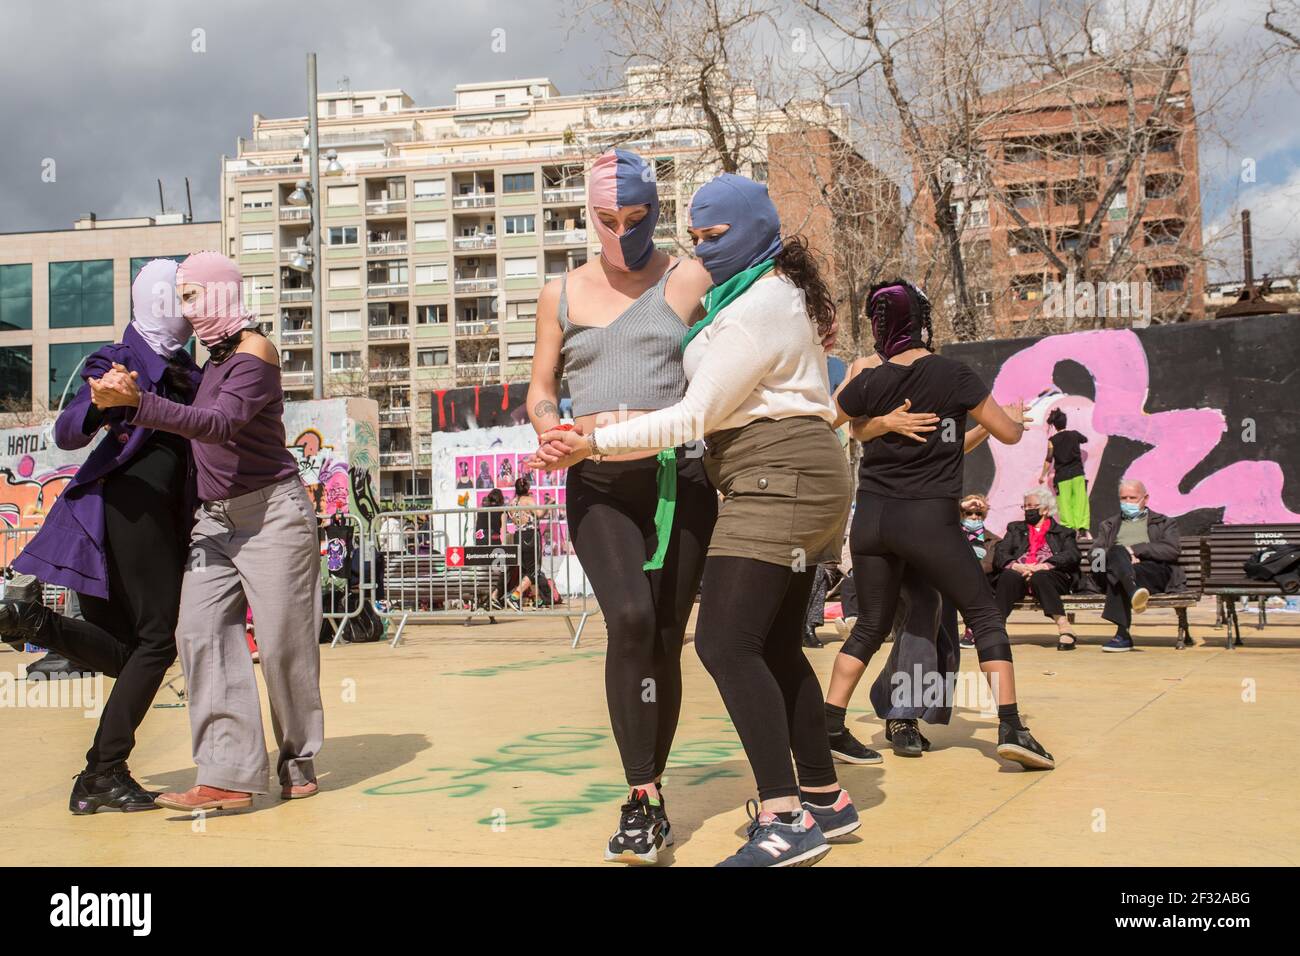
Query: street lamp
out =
(313, 157)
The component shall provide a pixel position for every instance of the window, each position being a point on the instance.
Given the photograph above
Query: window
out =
(1028, 195)
(521, 268)
(430, 189)
(1114, 245)
(499, 99)
(431, 358)
(1171, 279)
(759, 173)
(1118, 208)
(518, 225)
(436, 272)
(1162, 185)
(1165, 143)
(431, 315)
(978, 215)
(392, 272)
(519, 350)
(345, 279)
(139, 263)
(255, 242)
(432, 230)
(1027, 288)
(521, 311)
(517, 183)
(345, 320)
(344, 361)
(16, 303)
(81, 293)
(341, 236)
(341, 196)
(258, 199)
(16, 376)
(1165, 232)
(258, 290)
(65, 362)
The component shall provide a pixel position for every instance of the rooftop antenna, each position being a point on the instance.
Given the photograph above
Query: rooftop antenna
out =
(189, 202)
(162, 206)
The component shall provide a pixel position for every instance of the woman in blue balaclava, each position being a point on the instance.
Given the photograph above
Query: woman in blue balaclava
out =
(639, 522)
(758, 395)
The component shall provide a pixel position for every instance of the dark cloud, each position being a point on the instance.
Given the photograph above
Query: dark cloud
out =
(113, 93)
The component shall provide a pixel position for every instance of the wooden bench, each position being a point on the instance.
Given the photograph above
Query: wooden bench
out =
(1228, 546)
(1190, 559)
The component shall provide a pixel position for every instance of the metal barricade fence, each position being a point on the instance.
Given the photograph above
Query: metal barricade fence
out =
(348, 571)
(466, 563)
(12, 542)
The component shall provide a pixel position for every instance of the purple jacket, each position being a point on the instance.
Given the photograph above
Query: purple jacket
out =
(70, 548)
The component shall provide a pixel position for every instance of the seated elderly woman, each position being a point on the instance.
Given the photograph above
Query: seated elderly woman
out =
(1038, 556)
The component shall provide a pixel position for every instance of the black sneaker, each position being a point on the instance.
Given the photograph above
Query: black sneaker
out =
(640, 834)
(22, 615)
(1019, 745)
(810, 639)
(906, 737)
(846, 749)
(114, 790)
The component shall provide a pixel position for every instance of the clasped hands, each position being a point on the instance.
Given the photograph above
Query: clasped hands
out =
(116, 388)
(559, 448)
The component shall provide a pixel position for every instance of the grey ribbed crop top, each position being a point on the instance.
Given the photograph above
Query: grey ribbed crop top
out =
(635, 362)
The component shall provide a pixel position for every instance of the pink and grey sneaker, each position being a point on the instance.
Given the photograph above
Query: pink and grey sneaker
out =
(774, 843)
(839, 819)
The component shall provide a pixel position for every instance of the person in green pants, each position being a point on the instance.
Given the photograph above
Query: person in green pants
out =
(1065, 452)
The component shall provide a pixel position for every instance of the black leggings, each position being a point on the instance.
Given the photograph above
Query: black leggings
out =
(889, 534)
(749, 637)
(131, 636)
(611, 509)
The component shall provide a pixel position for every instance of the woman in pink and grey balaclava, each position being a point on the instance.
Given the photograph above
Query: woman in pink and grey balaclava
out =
(254, 545)
(640, 523)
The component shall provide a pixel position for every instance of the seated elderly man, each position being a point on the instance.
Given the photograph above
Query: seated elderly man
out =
(1139, 550)
(1039, 556)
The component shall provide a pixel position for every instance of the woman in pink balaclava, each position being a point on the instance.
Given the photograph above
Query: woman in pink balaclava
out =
(254, 545)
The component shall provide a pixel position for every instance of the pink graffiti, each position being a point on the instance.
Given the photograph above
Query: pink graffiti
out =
(1247, 491)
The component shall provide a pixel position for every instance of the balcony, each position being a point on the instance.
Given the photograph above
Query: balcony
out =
(389, 331)
(295, 295)
(474, 201)
(484, 284)
(474, 373)
(395, 459)
(395, 415)
(383, 290)
(295, 337)
(299, 377)
(393, 247)
(487, 327)
(484, 241)
(565, 237)
(385, 207)
(295, 213)
(575, 194)
(389, 372)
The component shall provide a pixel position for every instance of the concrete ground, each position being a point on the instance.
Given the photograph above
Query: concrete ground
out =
(490, 745)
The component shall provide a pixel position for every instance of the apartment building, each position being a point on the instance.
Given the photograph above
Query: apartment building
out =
(1051, 151)
(440, 226)
(66, 292)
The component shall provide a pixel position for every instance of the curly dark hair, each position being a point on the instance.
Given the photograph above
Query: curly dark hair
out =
(797, 262)
(1057, 419)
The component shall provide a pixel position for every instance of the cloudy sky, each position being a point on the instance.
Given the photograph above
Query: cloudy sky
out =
(114, 93)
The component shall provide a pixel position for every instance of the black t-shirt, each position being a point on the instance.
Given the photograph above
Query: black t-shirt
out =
(895, 466)
(1066, 454)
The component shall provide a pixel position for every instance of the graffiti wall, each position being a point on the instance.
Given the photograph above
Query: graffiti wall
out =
(335, 442)
(1204, 414)
(486, 406)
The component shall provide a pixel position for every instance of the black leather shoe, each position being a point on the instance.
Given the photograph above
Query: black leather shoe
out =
(810, 639)
(906, 737)
(54, 666)
(1019, 745)
(22, 621)
(115, 790)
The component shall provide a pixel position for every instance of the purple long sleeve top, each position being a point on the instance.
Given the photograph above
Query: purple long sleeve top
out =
(235, 425)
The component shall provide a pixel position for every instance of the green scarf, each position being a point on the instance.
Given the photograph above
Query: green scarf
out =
(721, 296)
(665, 508)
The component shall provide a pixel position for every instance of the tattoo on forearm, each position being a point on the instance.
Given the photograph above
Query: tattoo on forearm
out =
(546, 408)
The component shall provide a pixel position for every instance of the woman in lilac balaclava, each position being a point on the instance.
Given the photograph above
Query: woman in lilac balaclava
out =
(639, 523)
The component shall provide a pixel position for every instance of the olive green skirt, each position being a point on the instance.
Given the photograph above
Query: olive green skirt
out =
(786, 491)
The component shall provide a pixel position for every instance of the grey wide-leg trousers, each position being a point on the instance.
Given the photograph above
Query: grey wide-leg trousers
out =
(258, 550)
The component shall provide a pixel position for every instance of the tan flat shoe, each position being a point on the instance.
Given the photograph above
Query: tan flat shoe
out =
(300, 791)
(205, 798)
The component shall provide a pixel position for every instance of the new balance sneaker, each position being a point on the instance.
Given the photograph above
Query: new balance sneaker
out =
(847, 749)
(906, 737)
(114, 790)
(1019, 745)
(640, 834)
(1118, 644)
(769, 842)
(837, 820)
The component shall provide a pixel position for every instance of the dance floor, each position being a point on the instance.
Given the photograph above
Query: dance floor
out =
(490, 745)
